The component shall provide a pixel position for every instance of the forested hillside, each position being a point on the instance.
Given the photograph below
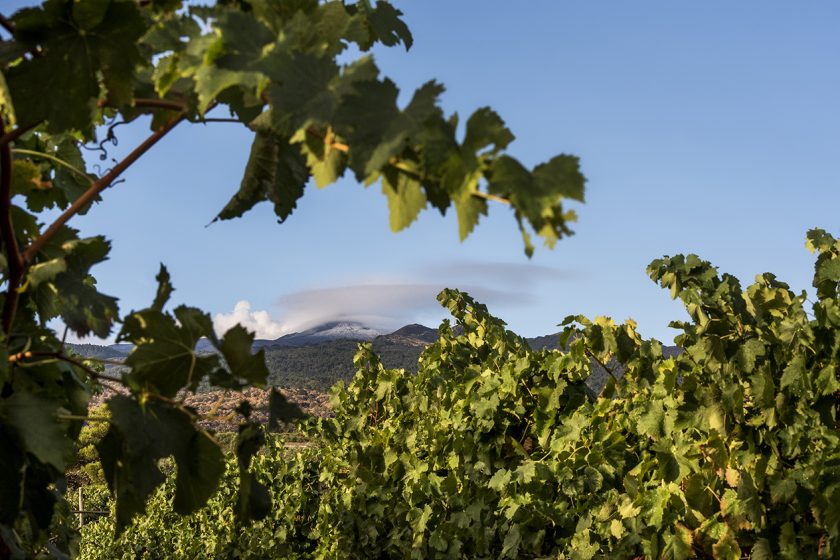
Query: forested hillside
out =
(318, 366)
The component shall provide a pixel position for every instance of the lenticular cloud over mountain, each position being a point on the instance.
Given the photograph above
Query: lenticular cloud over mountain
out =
(259, 322)
(384, 305)
(381, 306)
(391, 303)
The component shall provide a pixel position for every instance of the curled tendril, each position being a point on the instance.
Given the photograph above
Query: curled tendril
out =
(110, 138)
(100, 172)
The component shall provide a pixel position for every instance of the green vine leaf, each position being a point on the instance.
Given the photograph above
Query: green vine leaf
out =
(74, 58)
(137, 438)
(32, 418)
(276, 171)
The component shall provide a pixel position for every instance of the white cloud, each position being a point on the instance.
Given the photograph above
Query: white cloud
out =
(259, 322)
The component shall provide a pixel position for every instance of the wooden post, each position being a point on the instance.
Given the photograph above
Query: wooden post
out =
(81, 508)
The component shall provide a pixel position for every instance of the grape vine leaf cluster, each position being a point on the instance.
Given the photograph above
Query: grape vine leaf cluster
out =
(729, 449)
(71, 73)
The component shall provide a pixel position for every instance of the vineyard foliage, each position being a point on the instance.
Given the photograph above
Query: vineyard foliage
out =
(730, 449)
(75, 70)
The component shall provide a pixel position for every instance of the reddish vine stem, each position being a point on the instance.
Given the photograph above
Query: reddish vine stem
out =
(7, 25)
(150, 103)
(160, 104)
(103, 380)
(65, 358)
(90, 371)
(13, 135)
(19, 261)
(97, 187)
(219, 120)
(7, 231)
(603, 365)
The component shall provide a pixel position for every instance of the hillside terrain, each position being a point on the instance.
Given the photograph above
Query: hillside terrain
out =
(317, 358)
(305, 365)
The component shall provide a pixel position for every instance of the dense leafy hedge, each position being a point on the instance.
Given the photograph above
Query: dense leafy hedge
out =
(493, 450)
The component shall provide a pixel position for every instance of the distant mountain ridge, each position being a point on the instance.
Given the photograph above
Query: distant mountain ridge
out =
(98, 351)
(333, 330)
(413, 335)
(319, 357)
(315, 358)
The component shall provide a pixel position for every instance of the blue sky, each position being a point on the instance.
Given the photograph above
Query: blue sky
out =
(704, 127)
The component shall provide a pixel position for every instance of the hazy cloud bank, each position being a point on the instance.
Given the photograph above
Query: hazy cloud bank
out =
(392, 303)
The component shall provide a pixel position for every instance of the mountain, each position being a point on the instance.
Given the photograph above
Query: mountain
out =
(97, 351)
(413, 334)
(317, 358)
(320, 365)
(334, 330)
(545, 342)
(123, 348)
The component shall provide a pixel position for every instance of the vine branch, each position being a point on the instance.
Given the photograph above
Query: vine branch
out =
(103, 380)
(602, 364)
(492, 197)
(64, 358)
(13, 135)
(397, 164)
(160, 104)
(97, 187)
(55, 160)
(219, 120)
(105, 361)
(150, 103)
(78, 418)
(7, 231)
(7, 25)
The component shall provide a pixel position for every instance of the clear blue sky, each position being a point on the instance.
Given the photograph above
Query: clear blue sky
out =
(705, 127)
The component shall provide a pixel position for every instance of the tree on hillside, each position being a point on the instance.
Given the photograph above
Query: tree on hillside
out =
(74, 69)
